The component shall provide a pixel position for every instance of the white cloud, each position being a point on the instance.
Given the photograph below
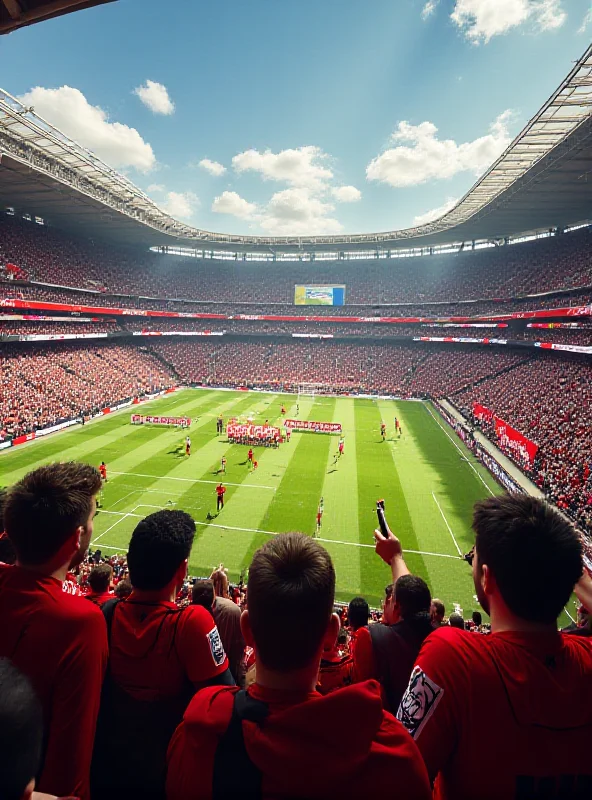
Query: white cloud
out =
(435, 213)
(213, 167)
(297, 212)
(480, 20)
(586, 21)
(180, 205)
(155, 96)
(69, 110)
(429, 8)
(232, 203)
(301, 166)
(425, 157)
(346, 194)
(156, 187)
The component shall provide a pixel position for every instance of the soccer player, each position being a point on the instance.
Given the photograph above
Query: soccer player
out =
(188, 446)
(288, 434)
(219, 424)
(255, 465)
(297, 409)
(341, 445)
(220, 492)
(383, 430)
(518, 693)
(250, 457)
(398, 426)
(57, 640)
(160, 655)
(281, 723)
(103, 471)
(319, 520)
(283, 410)
(223, 464)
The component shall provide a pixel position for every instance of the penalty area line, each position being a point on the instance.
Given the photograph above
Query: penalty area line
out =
(192, 480)
(267, 533)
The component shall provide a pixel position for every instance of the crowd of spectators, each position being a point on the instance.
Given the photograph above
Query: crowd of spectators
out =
(549, 400)
(28, 327)
(40, 386)
(49, 256)
(132, 666)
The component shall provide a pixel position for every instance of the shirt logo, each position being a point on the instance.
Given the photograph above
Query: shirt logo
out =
(216, 647)
(419, 702)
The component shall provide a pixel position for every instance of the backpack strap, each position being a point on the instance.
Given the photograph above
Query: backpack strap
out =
(235, 775)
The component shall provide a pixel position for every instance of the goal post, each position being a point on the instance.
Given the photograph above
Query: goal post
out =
(311, 389)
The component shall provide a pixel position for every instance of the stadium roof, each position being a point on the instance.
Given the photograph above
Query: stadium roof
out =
(543, 180)
(18, 13)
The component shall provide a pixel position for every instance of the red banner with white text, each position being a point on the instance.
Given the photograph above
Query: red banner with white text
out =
(261, 433)
(523, 450)
(482, 413)
(310, 425)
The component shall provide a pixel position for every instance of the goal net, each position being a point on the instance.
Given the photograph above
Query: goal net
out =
(311, 389)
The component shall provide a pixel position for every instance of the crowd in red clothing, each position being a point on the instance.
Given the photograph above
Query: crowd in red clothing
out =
(50, 256)
(414, 699)
(41, 387)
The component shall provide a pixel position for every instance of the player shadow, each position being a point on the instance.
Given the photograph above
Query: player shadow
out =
(331, 471)
(177, 452)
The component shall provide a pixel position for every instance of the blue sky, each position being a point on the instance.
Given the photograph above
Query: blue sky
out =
(323, 116)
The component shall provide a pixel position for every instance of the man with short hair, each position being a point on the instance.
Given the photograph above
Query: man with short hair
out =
(389, 652)
(57, 640)
(281, 738)
(521, 694)
(160, 656)
(456, 620)
(202, 594)
(99, 581)
(358, 614)
(437, 612)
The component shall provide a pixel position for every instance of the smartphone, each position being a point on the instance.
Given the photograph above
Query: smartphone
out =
(384, 529)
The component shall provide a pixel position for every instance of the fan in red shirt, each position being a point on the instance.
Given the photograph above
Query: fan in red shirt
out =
(281, 738)
(520, 697)
(220, 492)
(160, 656)
(99, 580)
(58, 641)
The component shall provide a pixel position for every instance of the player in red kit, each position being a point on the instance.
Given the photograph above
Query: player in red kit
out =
(383, 430)
(187, 446)
(220, 492)
(520, 695)
(250, 456)
(103, 471)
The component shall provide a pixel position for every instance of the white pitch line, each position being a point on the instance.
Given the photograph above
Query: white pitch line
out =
(568, 614)
(114, 524)
(125, 496)
(447, 525)
(272, 533)
(472, 466)
(193, 480)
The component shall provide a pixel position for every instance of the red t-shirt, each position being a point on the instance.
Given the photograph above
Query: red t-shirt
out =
(503, 716)
(99, 599)
(310, 746)
(103, 471)
(250, 455)
(156, 648)
(336, 671)
(220, 490)
(363, 655)
(60, 642)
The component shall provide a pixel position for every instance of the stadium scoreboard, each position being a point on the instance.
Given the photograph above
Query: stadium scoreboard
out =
(319, 295)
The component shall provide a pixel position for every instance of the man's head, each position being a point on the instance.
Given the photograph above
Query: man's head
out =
(437, 611)
(527, 557)
(21, 734)
(202, 594)
(410, 598)
(477, 618)
(48, 514)
(123, 589)
(291, 594)
(100, 578)
(159, 550)
(456, 621)
(358, 613)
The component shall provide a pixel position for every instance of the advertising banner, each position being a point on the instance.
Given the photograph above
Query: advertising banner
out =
(522, 448)
(142, 419)
(311, 425)
(237, 432)
(319, 295)
(482, 413)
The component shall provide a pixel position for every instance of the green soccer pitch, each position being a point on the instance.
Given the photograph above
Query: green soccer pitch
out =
(428, 479)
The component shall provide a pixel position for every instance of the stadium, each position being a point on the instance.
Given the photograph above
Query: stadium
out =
(443, 364)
